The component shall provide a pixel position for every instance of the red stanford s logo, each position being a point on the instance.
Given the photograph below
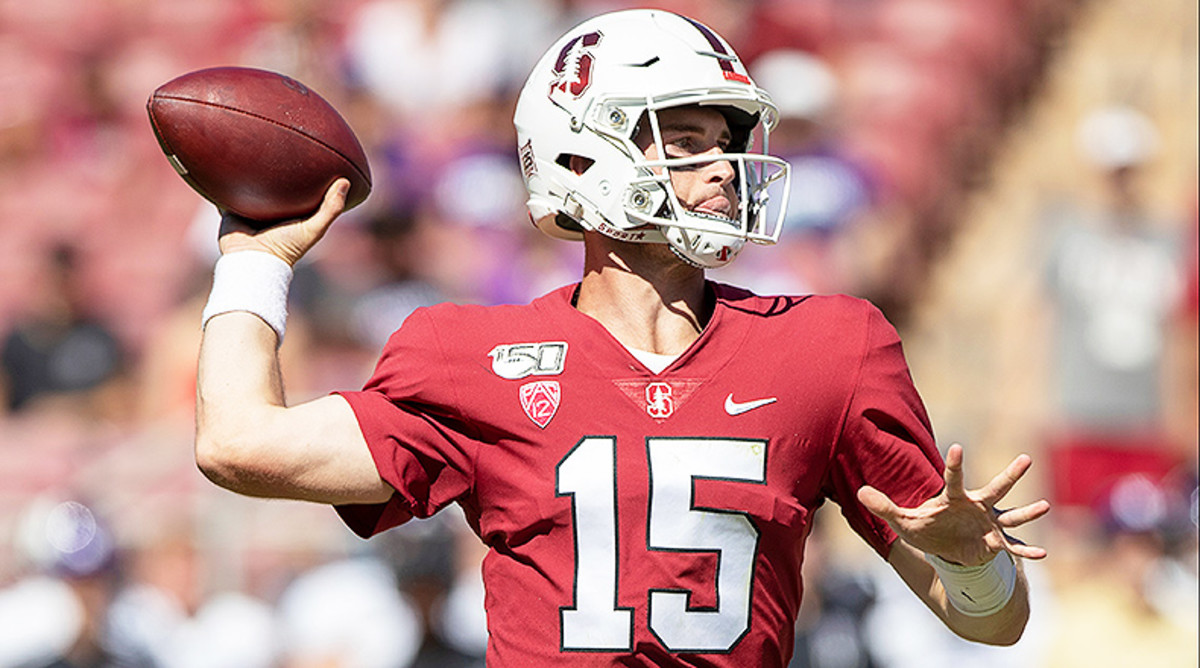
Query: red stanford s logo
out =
(573, 69)
(659, 402)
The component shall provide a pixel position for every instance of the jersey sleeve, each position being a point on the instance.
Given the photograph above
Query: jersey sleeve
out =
(409, 415)
(886, 439)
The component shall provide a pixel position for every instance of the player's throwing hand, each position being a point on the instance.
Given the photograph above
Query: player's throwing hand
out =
(287, 241)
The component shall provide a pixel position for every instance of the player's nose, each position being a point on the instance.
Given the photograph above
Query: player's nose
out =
(718, 171)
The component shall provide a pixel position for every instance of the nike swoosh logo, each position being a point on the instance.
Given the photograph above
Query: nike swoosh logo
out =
(738, 407)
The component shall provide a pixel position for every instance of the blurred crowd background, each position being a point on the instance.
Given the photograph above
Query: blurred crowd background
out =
(1014, 182)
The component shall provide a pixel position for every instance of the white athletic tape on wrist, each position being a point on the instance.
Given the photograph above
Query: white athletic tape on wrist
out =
(252, 281)
(977, 591)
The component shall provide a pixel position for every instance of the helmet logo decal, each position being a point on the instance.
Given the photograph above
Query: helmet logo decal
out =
(605, 228)
(722, 54)
(573, 69)
(528, 161)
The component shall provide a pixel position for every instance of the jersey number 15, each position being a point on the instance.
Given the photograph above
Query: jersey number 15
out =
(595, 622)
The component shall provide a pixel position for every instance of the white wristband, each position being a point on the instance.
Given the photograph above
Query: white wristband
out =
(977, 591)
(252, 281)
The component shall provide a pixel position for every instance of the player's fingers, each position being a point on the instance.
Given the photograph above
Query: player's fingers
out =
(332, 206)
(1000, 540)
(878, 503)
(1004, 481)
(1019, 549)
(1015, 517)
(954, 475)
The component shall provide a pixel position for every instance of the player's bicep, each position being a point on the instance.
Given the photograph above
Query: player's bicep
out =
(337, 466)
(313, 451)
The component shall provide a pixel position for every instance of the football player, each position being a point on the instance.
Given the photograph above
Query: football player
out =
(643, 451)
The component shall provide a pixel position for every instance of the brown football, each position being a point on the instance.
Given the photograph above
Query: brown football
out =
(256, 143)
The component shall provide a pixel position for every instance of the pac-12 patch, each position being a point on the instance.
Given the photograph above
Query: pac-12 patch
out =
(540, 400)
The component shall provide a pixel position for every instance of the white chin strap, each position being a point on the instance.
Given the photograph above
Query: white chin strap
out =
(707, 250)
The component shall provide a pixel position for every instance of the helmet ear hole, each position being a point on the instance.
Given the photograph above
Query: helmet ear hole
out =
(576, 163)
(640, 133)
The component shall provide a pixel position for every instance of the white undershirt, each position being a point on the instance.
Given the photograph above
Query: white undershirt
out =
(655, 362)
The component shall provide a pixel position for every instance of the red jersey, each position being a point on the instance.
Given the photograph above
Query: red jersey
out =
(643, 519)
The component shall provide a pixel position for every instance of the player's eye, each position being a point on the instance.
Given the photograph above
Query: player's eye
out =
(681, 146)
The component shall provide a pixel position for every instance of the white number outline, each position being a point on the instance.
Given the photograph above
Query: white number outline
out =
(727, 518)
(611, 628)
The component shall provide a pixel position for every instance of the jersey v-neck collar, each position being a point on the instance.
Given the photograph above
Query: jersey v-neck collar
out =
(704, 356)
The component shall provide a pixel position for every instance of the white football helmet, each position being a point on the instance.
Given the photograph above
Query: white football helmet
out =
(587, 97)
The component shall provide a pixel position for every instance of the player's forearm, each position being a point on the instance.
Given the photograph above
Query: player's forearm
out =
(1002, 627)
(249, 442)
(238, 393)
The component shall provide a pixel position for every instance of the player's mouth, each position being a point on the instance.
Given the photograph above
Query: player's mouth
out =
(717, 208)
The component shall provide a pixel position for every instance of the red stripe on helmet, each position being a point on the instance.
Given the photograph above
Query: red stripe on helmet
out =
(715, 42)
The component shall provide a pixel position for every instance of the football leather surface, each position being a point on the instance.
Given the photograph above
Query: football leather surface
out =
(256, 143)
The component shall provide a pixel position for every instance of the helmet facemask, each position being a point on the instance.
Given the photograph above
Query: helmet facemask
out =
(702, 238)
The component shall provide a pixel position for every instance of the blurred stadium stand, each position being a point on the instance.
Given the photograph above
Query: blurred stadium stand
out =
(951, 128)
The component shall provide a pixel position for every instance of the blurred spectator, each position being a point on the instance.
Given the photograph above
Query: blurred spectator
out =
(164, 618)
(40, 621)
(1136, 604)
(435, 569)
(462, 622)
(400, 288)
(438, 58)
(1183, 385)
(828, 188)
(1114, 280)
(348, 614)
(59, 348)
(838, 596)
(60, 616)
(473, 204)
(231, 630)
(1114, 277)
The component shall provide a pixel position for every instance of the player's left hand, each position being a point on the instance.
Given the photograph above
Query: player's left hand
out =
(959, 525)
